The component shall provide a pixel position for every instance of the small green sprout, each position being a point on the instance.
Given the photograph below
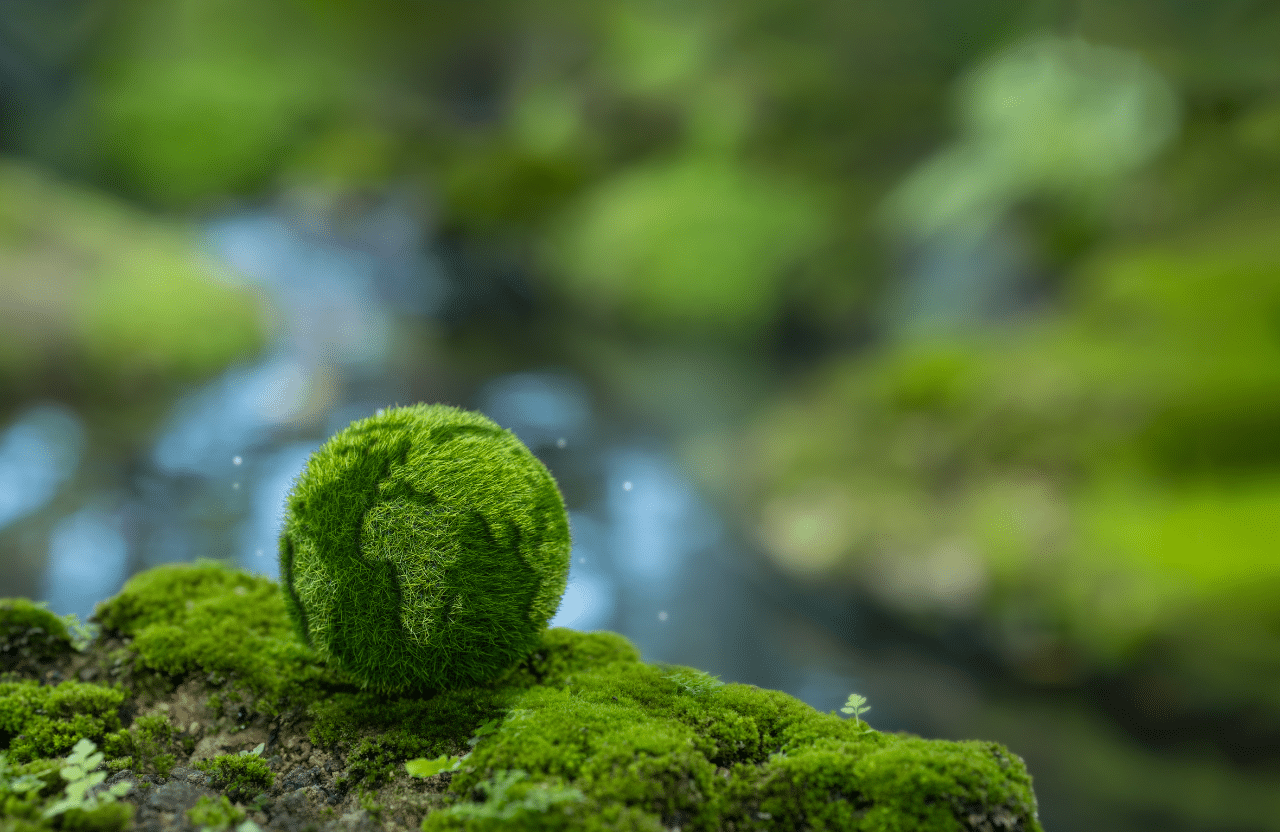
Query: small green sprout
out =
(80, 774)
(369, 802)
(857, 705)
(423, 548)
(423, 767)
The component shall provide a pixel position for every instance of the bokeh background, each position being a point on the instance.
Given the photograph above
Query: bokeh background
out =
(925, 350)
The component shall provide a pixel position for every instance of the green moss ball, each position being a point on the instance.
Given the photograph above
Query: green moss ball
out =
(424, 548)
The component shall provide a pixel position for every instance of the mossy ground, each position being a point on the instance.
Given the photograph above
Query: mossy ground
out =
(195, 664)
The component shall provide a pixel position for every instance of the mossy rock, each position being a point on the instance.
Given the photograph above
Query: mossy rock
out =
(101, 301)
(30, 634)
(581, 734)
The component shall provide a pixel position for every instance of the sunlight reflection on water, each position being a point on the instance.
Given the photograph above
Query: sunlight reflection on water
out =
(540, 408)
(38, 453)
(238, 411)
(88, 559)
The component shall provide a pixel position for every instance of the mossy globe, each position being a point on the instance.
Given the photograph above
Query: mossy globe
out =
(424, 548)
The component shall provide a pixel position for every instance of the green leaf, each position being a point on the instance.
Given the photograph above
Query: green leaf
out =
(61, 806)
(857, 705)
(72, 773)
(423, 767)
(81, 751)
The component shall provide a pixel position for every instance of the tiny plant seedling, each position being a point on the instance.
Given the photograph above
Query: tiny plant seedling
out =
(426, 767)
(82, 632)
(424, 548)
(79, 772)
(857, 706)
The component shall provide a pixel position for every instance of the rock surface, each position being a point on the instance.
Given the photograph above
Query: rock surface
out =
(200, 697)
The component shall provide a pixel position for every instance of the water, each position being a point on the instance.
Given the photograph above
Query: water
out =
(39, 452)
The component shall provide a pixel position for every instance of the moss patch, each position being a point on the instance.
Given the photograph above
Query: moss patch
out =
(215, 814)
(222, 622)
(30, 634)
(47, 720)
(580, 735)
(241, 775)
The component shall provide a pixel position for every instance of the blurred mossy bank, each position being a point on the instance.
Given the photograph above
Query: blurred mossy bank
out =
(200, 696)
(1094, 492)
(102, 303)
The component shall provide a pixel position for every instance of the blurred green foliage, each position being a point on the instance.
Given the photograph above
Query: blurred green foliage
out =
(687, 243)
(673, 168)
(101, 302)
(1050, 117)
(750, 141)
(1090, 476)
(192, 100)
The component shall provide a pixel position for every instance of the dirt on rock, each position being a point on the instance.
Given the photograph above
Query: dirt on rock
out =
(309, 792)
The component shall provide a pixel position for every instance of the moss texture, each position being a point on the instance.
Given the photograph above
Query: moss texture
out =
(47, 720)
(580, 734)
(242, 775)
(182, 619)
(215, 814)
(424, 548)
(30, 634)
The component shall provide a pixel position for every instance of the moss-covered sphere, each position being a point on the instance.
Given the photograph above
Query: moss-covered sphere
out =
(424, 548)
